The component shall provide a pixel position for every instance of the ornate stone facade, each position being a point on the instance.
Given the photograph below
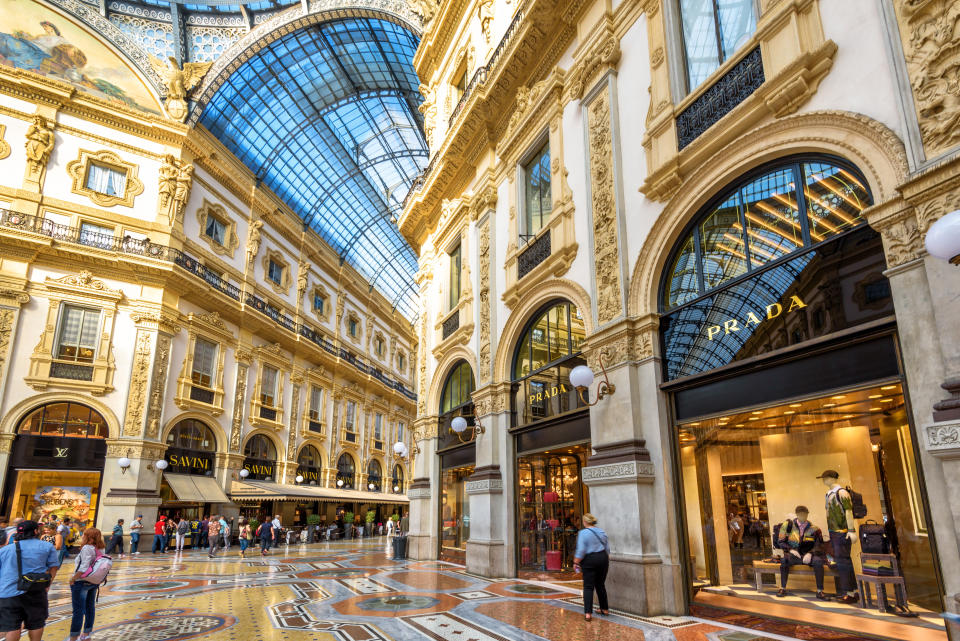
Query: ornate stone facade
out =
(137, 396)
(606, 251)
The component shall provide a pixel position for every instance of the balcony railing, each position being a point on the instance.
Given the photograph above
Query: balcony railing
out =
(143, 247)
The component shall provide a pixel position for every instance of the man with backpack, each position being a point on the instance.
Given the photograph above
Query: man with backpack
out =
(843, 531)
(27, 567)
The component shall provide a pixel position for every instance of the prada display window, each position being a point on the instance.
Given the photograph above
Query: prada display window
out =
(795, 455)
(56, 464)
(551, 498)
(765, 512)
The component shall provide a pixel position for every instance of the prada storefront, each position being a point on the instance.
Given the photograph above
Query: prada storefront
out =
(781, 357)
(458, 457)
(188, 487)
(551, 429)
(56, 464)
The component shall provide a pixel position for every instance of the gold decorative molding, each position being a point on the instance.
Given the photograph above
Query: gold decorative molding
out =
(269, 355)
(78, 170)
(627, 341)
(39, 146)
(156, 320)
(319, 290)
(606, 251)
(253, 240)
(179, 80)
(230, 240)
(602, 54)
(353, 316)
(483, 300)
(930, 34)
(286, 278)
(158, 385)
(4, 145)
(240, 391)
(137, 396)
(8, 320)
(209, 327)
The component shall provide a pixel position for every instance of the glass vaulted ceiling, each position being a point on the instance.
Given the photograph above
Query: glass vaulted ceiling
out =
(327, 118)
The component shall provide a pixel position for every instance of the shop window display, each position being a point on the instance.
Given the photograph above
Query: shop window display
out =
(745, 475)
(454, 513)
(551, 499)
(44, 495)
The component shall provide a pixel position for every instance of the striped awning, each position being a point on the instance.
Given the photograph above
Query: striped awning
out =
(254, 491)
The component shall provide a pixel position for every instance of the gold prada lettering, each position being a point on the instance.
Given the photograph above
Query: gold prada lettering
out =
(773, 310)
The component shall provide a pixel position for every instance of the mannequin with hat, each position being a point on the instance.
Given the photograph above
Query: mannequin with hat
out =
(801, 543)
(843, 532)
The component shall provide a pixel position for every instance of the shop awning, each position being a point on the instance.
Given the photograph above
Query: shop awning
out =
(196, 489)
(247, 491)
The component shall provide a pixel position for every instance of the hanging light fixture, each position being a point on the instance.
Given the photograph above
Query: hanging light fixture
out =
(943, 238)
(581, 377)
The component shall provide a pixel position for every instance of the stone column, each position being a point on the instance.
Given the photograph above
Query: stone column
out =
(492, 512)
(424, 492)
(631, 488)
(136, 490)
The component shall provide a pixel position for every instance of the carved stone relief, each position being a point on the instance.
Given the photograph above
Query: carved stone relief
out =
(7, 319)
(161, 364)
(483, 362)
(903, 242)
(930, 32)
(605, 248)
(137, 397)
(296, 380)
(240, 392)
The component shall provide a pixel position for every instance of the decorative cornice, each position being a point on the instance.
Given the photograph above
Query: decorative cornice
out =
(943, 439)
(618, 473)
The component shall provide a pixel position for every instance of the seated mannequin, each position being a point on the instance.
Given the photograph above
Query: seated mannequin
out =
(801, 542)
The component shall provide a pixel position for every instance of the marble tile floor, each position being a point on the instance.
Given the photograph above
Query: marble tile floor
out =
(348, 591)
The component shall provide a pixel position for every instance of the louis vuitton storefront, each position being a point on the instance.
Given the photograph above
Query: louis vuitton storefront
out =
(56, 464)
(782, 360)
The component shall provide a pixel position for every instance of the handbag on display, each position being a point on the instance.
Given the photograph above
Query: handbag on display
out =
(873, 538)
(550, 497)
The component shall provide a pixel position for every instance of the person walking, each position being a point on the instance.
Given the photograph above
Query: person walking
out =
(135, 529)
(202, 532)
(84, 593)
(158, 533)
(225, 534)
(265, 534)
(277, 527)
(64, 530)
(169, 532)
(50, 535)
(25, 554)
(592, 557)
(183, 528)
(116, 541)
(213, 535)
(245, 537)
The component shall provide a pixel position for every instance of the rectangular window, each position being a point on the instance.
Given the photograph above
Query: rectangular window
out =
(402, 362)
(379, 347)
(215, 230)
(106, 180)
(459, 87)
(350, 417)
(268, 386)
(275, 272)
(537, 200)
(378, 427)
(713, 30)
(204, 358)
(352, 327)
(318, 303)
(316, 403)
(96, 236)
(455, 271)
(77, 336)
(400, 427)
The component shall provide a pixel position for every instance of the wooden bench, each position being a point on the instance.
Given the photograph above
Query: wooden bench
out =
(773, 567)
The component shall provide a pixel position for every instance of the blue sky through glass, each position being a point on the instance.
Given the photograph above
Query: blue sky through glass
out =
(326, 117)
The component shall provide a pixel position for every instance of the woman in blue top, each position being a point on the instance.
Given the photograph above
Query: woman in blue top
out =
(592, 558)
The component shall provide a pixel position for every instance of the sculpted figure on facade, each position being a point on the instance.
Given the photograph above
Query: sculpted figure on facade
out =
(176, 178)
(178, 82)
(253, 240)
(485, 12)
(39, 144)
(302, 272)
(427, 10)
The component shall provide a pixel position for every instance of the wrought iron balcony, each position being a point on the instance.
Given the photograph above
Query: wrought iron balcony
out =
(451, 325)
(537, 252)
(71, 371)
(268, 413)
(201, 394)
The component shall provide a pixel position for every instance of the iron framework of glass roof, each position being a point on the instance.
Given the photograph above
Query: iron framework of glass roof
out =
(326, 117)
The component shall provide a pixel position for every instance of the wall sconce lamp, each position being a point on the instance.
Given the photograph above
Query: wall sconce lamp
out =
(244, 473)
(396, 489)
(581, 377)
(339, 482)
(371, 486)
(943, 238)
(299, 478)
(159, 464)
(124, 463)
(459, 426)
(401, 451)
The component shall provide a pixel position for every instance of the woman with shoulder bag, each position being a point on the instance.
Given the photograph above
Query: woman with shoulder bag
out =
(183, 528)
(592, 557)
(84, 593)
(244, 537)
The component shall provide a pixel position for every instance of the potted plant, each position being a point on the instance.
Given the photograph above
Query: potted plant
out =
(371, 517)
(313, 520)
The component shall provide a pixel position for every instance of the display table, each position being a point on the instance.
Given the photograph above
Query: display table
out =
(773, 567)
(880, 582)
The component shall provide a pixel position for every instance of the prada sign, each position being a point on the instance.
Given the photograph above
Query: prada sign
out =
(769, 312)
(183, 461)
(60, 452)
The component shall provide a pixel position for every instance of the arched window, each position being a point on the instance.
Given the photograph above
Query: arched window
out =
(555, 334)
(397, 479)
(64, 419)
(374, 476)
(260, 458)
(457, 388)
(346, 471)
(309, 465)
(549, 349)
(752, 225)
(191, 434)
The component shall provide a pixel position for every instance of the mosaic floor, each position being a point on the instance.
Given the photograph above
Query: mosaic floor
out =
(348, 591)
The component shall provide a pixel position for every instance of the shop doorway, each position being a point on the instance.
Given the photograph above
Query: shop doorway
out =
(454, 514)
